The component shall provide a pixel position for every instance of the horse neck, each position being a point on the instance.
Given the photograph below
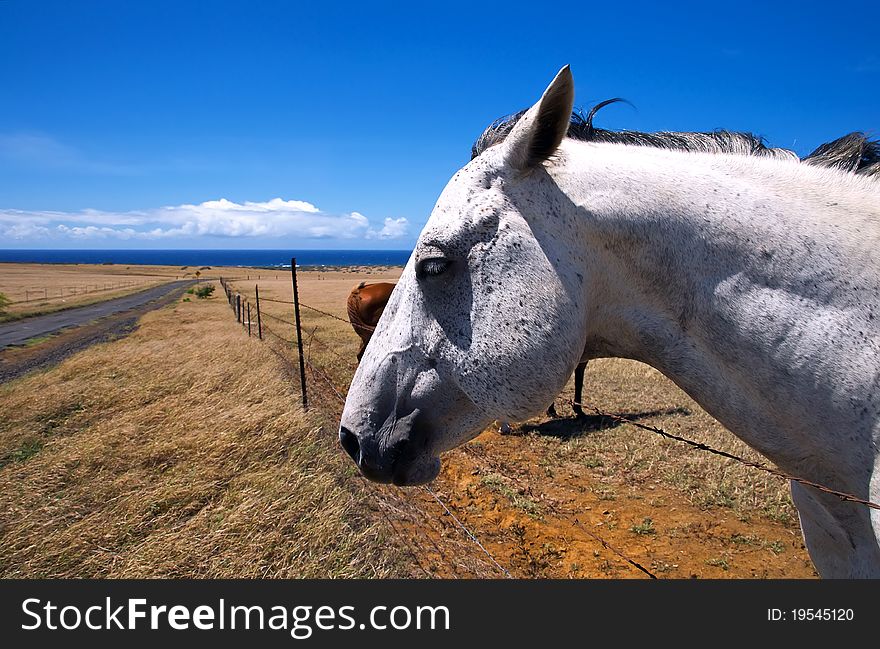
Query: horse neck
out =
(696, 265)
(664, 227)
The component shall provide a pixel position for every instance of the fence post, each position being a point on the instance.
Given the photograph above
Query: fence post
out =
(249, 319)
(238, 307)
(259, 322)
(299, 340)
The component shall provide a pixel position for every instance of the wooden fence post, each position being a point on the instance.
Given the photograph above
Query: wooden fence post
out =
(259, 322)
(249, 319)
(238, 307)
(299, 342)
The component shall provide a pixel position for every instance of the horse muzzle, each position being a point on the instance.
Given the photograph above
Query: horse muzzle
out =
(397, 453)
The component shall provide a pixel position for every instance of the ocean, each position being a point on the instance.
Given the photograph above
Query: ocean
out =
(261, 258)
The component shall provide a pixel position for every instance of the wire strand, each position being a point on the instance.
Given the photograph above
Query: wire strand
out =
(705, 447)
(470, 534)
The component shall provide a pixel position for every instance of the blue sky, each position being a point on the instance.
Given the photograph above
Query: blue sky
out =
(236, 124)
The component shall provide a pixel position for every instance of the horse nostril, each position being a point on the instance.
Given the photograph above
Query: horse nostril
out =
(350, 443)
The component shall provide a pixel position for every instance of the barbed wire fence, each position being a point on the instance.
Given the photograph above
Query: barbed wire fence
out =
(46, 293)
(323, 380)
(325, 383)
(393, 504)
(40, 294)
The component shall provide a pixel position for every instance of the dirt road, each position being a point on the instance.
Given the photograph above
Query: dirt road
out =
(76, 329)
(20, 331)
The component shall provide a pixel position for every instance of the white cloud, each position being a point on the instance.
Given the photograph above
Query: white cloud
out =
(95, 232)
(275, 218)
(25, 231)
(393, 229)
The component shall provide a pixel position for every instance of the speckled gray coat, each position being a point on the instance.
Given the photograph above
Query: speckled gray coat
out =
(753, 283)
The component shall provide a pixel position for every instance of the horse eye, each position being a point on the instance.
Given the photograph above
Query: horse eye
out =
(432, 267)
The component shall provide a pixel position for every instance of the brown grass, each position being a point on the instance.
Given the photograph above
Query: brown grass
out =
(629, 455)
(182, 452)
(698, 501)
(35, 289)
(176, 452)
(637, 457)
(329, 342)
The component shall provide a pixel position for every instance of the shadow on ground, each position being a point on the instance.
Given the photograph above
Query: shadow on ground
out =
(578, 426)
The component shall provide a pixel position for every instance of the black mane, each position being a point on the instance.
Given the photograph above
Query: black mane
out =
(853, 153)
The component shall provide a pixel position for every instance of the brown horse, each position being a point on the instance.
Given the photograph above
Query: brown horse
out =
(365, 305)
(366, 302)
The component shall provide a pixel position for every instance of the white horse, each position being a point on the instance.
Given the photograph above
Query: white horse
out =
(752, 282)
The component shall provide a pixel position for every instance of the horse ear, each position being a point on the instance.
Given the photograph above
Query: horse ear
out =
(539, 132)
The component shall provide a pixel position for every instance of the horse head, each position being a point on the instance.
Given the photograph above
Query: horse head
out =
(487, 320)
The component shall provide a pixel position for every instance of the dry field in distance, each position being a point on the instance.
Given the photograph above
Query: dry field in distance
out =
(181, 451)
(42, 288)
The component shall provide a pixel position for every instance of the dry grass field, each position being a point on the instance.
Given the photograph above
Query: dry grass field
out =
(175, 452)
(182, 451)
(539, 497)
(39, 288)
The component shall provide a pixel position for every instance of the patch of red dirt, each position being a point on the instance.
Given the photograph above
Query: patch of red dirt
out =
(568, 527)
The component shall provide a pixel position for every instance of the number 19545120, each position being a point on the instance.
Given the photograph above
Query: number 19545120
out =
(810, 614)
